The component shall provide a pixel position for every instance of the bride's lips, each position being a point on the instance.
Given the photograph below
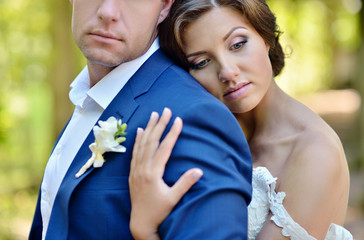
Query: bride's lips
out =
(237, 91)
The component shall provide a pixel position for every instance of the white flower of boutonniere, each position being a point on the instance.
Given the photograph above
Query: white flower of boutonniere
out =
(108, 137)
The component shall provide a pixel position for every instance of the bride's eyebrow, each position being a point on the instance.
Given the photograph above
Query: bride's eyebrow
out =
(195, 54)
(232, 30)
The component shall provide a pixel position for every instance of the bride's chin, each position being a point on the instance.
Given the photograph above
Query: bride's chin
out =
(240, 108)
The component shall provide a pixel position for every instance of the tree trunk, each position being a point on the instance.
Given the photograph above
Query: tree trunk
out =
(65, 63)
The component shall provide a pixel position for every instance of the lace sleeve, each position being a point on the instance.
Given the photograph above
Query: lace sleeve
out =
(282, 218)
(264, 181)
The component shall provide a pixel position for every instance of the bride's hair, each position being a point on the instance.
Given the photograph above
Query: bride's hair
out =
(183, 12)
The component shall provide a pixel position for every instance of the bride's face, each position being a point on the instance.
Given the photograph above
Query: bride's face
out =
(229, 58)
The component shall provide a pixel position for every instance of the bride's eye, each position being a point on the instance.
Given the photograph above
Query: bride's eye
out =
(238, 45)
(199, 65)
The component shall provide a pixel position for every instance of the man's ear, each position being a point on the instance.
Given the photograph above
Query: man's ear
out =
(165, 10)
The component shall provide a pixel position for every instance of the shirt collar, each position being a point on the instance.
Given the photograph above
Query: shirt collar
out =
(111, 84)
(79, 88)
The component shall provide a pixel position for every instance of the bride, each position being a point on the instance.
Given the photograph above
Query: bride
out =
(300, 175)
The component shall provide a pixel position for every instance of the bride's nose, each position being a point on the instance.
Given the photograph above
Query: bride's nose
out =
(228, 72)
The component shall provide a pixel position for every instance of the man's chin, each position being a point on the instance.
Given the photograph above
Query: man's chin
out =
(103, 58)
(104, 63)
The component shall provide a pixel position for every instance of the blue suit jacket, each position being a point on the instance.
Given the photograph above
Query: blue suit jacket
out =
(97, 205)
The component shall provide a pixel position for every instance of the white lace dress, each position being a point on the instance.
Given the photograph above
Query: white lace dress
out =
(265, 199)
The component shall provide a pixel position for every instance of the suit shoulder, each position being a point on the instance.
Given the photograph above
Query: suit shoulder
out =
(176, 84)
(179, 76)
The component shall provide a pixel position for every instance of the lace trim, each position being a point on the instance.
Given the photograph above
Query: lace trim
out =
(282, 218)
(338, 232)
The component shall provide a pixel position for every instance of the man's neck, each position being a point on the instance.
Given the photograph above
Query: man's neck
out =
(97, 72)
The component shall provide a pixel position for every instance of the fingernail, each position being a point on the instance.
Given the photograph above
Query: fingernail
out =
(197, 174)
(153, 115)
(177, 119)
(165, 110)
(139, 131)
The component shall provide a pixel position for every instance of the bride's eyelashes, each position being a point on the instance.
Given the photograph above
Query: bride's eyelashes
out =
(199, 64)
(239, 44)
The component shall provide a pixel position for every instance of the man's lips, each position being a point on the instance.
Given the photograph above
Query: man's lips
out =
(235, 88)
(104, 35)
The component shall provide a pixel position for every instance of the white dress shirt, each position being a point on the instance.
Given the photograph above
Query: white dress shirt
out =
(89, 105)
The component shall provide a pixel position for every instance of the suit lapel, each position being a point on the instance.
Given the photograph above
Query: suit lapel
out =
(60, 212)
(128, 105)
(122, 106)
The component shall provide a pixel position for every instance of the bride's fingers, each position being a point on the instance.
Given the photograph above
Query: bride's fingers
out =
(147, 142)
(162, 124)
(184, 183)
(143, 142)
(153, 120)
(136, 147)
(153, 138)
(165, 148)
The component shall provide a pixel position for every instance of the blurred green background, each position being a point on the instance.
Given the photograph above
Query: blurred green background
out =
(38, 60)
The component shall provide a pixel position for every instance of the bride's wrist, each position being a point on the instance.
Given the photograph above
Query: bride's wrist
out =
(140, 235)
(140, 232)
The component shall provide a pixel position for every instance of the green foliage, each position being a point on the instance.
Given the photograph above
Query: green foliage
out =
(315, 32)
(25, 110)
(25, 43)
(2, 125)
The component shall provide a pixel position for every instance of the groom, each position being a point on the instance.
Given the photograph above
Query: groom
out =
(128, 77)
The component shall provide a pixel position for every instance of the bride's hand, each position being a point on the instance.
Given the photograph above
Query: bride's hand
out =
(151, 198)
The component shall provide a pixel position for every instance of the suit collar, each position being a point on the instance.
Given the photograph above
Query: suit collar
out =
(143, 79)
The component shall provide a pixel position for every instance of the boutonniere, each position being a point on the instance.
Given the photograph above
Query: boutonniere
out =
(108, 136)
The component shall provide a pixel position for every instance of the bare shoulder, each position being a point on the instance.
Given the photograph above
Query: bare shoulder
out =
(316, 177)
(319, 161)
(318, 148)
